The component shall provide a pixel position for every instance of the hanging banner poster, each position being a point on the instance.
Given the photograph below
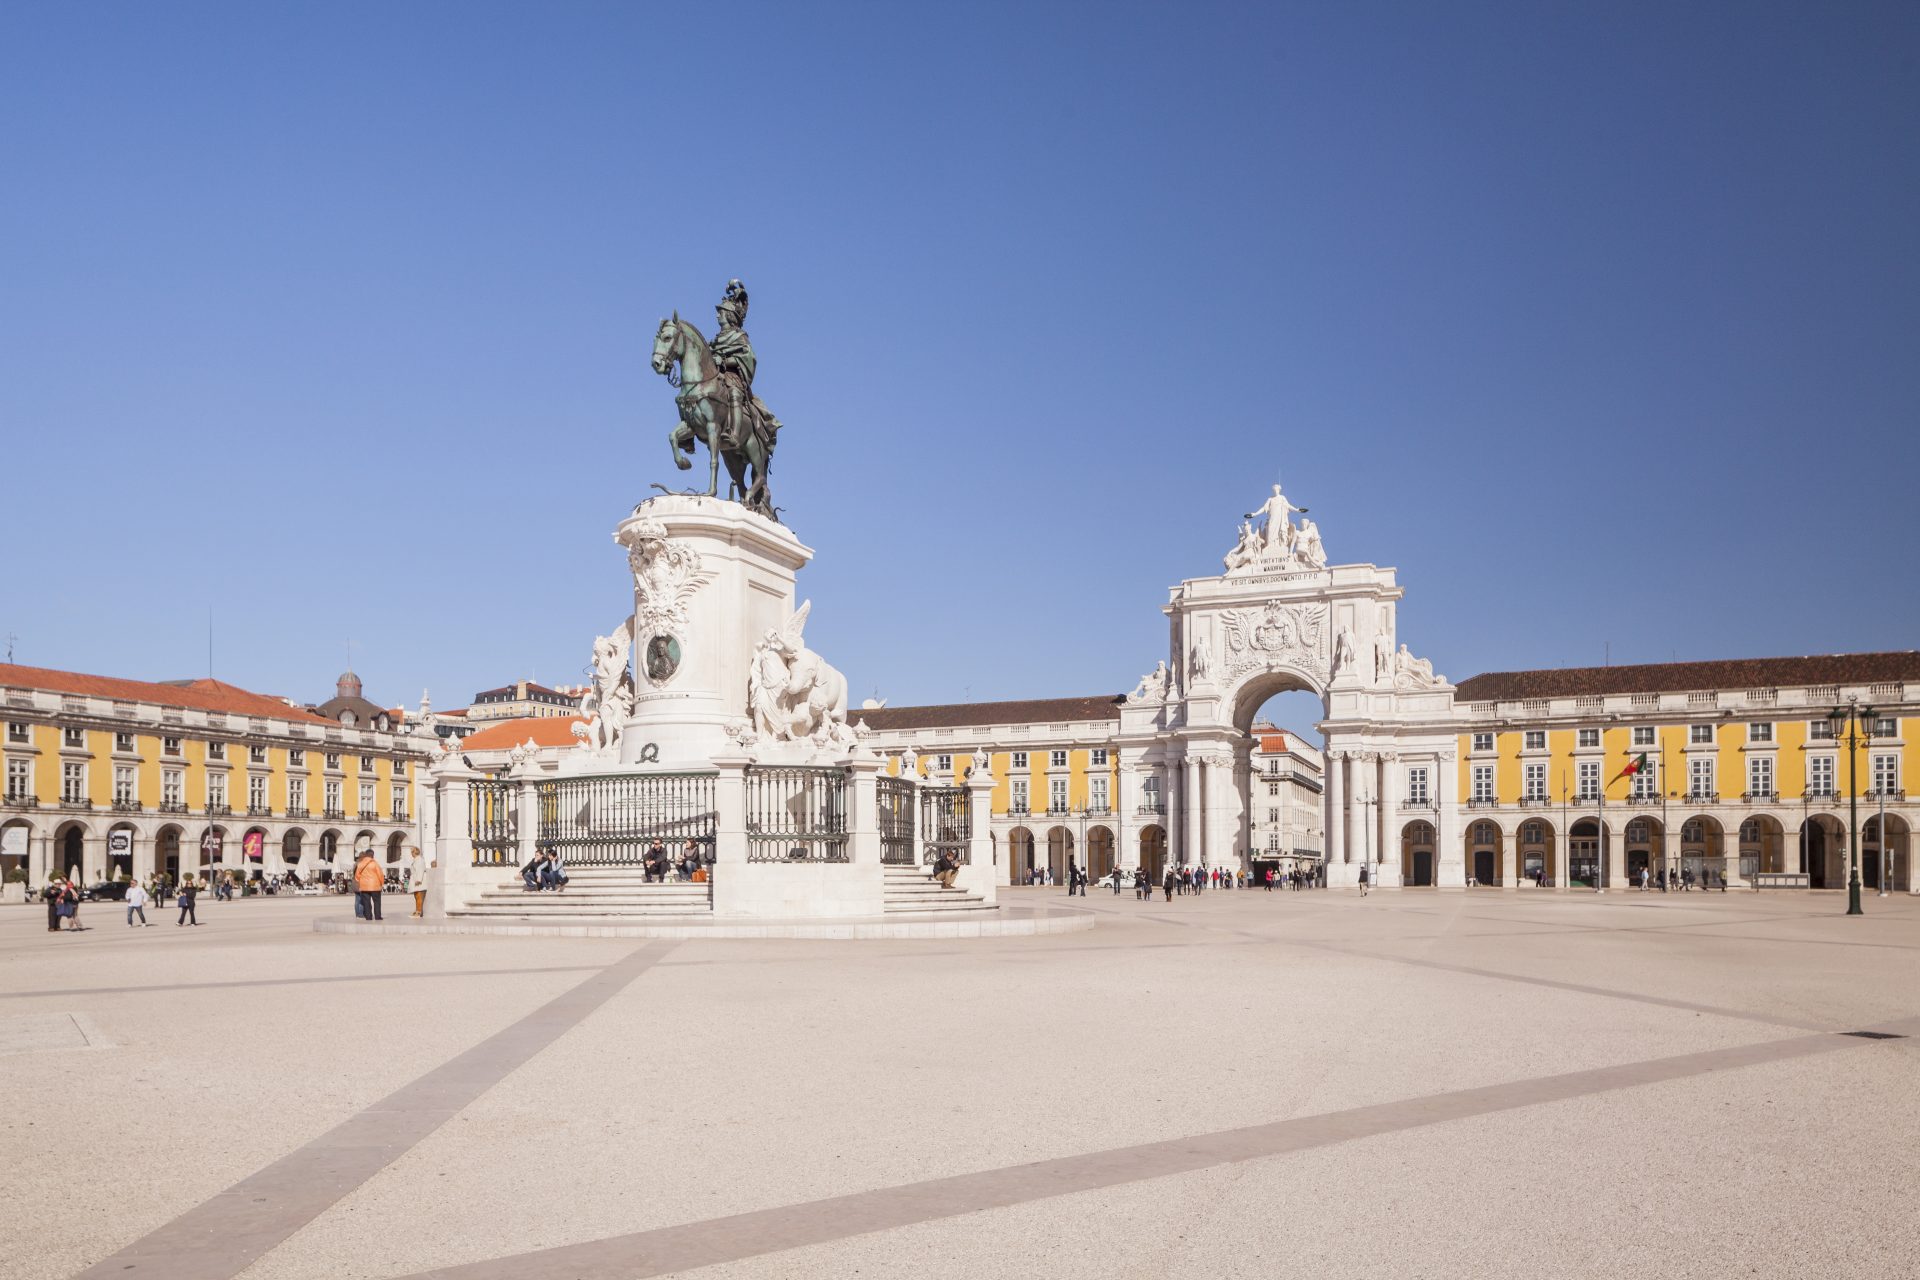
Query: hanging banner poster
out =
(254, 845)
(212, 843)
(120, 843)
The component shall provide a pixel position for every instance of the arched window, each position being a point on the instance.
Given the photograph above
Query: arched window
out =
(1692, 832)
(1485, 833)
(1637, 831)
(1530, 833)
(348, 719)
(1750, 831)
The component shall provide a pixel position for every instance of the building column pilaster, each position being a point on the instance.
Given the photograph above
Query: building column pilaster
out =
(1391, 871)
(1336, 814)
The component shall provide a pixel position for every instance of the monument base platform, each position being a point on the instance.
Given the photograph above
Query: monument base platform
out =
(1006, 922)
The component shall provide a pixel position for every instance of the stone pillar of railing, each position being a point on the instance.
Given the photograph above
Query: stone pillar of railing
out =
(979, 874)
(455, 881)
(863, 818)
(733, 890)
(526, 811)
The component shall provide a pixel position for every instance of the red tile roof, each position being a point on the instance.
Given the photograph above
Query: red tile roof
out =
(546, 731)
(972, 714)
(1676, 677)
(197, 695)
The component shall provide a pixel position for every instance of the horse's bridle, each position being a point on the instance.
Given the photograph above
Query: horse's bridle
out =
(672, 373)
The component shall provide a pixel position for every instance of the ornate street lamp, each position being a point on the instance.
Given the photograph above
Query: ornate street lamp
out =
(1844, 721)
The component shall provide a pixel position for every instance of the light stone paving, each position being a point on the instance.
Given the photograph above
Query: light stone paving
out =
(1417, 1084)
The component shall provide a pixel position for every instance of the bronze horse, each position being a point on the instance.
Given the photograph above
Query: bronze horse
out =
(708, 414)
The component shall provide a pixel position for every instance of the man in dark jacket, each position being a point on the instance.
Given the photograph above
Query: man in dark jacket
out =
(945, 869)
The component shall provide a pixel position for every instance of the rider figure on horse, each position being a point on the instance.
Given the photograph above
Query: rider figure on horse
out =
(733, 354)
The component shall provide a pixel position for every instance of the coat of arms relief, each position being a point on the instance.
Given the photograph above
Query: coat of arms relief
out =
(1293, 635)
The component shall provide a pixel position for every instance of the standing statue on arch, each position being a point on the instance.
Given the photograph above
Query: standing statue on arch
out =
(717, 403)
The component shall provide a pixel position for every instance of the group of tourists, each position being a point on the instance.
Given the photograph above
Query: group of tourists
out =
(63, 898)
(688, 866)
(546, 873)
(1680, 880)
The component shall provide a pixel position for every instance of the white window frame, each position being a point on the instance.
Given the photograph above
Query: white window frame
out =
(296, 793)
(1820, 730)
(1482, 742)
(1884, 727)
(943, 764)
(73, 782)
(1700, 778)
(296, 758)
(1760, 731)
(1646, 783)
(256, 755)
(1534, 780)
(1483, 782)
(125, 783)
(1019, 800)
(1760, 779)
(1417, 784)
(73, 738)
(1097, 793)
(216, 751)
(1587, 738)
(1821, 772)
(1056, 760)
(330, 797)
(1644, 736)
(257, 792)
(369, 800)
(1056, 795)
(19, 731)
(1886, 772)
(171, 747)
(216, 787)
(1586, 780)
(173, 786)
(1534, 740)
(19, 778)
(122, 740)
(1097, 757)
(1700, 735)
(1020, 761)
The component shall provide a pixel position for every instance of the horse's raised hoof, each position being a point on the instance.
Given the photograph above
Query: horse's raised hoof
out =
(680, 461)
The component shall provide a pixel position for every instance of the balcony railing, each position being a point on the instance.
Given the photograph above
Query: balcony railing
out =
(336, 814)
(1643, 800)
(1752, 796)
(298, 811)
(127, 806)
(1536, 802)
(1483, 802)
(399, 813)
(75, 802)
(20, 800)
(219, 811)
(1703, 797)
(1152, 809)
(173, 806)
(1886, 793)
(1019, 809)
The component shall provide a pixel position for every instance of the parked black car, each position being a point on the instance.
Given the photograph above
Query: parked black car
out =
(108, 891)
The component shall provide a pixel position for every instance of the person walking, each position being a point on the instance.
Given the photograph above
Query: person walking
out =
(188, 891)
(1171, 880)
(137, 904)
(51, 896)
(417, 880)
(1363, 879)
(368, 881)
(1073, 877)
(70, 905)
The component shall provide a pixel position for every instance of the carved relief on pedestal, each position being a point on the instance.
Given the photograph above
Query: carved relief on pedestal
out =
(666, 574)
(1292, 635)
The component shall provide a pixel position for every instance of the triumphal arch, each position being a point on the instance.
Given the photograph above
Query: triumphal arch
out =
(1280, 617)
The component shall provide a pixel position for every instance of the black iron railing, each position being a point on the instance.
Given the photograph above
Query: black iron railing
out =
(797, 813)
(946, 823)
(896, 822)
(490, 823)
(610, 820)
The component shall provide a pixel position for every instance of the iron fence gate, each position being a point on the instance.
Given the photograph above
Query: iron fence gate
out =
(491, 824)
(896, 821)
(796, 813)
(946, 823)
(609, 820)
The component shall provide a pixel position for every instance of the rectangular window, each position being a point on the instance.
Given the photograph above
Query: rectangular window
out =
(123, 784)
(1886, 775)
(1273, 817)
(1700, 735)
(1483, 783)
(73, 782)
(71, 737)
(1760, 776)
(173, 790)
(1019, 800)
(1417, 786)
(1097, 794)
(1273, 788)
(19, 779)
(1098, 757)
(1535, 782)
(170, 746)
(1760, 731)
(332, 795)
(16, 731)
(216, 789)
(256, 755)
(1588, 738)
(1056, 760)
(366, 764)
(1020, 761)
(297, 795)
(123, 742)
(1646, 783)
(333, 759)
(1643, 735)
(1587, 780)
(216, 751)
(1483, 742)
(1535, 740)
(943, 764)
(257, 793)
(1884, 727)
(1820, 730)
(1700, 779)
(399, 805)
(1057, 795)
(366, 800)
(1820, 775)
(1150, 793)
(296, 757)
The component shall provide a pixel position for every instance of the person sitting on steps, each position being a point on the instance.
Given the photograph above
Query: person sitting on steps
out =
(945, 869)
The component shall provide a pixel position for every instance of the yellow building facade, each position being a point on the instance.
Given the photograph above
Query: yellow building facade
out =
(109, 777)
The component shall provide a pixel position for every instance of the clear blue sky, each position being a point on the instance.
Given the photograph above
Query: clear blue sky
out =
(1602, 328)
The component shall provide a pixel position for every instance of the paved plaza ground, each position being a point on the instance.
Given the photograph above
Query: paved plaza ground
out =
(1248, 1084)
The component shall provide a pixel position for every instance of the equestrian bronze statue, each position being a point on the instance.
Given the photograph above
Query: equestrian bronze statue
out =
(717, 404)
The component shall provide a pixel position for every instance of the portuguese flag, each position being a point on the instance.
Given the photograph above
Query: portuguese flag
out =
(1635, 765)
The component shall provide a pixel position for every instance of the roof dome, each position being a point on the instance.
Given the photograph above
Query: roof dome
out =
(347, 686)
